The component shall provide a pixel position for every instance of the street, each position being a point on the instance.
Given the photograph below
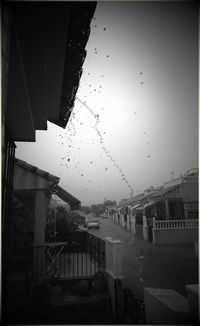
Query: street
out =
(144, 265)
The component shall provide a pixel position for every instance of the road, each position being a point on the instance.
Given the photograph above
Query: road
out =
(144, 265)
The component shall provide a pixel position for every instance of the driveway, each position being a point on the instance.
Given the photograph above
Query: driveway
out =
(145, 265)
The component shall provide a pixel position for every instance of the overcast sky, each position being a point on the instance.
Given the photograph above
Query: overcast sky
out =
(140, 118)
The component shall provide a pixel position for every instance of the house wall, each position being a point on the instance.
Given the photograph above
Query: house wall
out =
(188, 191)
(174, 236)
(6, 31)
(186, 194)
(24, 179)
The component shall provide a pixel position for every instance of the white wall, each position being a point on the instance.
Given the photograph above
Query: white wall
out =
(174, 236)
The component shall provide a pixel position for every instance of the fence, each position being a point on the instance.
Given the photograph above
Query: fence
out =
(175, 224)
(80, 257)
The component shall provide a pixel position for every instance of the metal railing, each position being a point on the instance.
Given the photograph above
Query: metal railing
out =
(175, 224)
(79, 257)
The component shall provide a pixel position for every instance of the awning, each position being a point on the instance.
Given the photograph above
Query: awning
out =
(136, 206)
(68, 198)
(153, 202)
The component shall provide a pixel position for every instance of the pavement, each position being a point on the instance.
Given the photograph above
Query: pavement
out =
(146, 265)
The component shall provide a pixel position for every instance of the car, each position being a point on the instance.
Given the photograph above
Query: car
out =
(104, 215)
(93, 223)
(82, 228)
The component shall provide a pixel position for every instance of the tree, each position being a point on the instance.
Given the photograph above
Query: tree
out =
(86, 209)
(60, 223)
(98, 209)
(109, 203)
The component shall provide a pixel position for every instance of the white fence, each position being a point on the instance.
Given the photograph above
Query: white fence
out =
(175, 224)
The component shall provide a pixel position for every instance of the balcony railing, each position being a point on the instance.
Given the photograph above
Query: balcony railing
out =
(175, 224)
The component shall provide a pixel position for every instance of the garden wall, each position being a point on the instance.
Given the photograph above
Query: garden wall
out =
(175, 236)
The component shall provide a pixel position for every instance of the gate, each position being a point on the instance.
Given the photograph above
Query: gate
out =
(81, 256)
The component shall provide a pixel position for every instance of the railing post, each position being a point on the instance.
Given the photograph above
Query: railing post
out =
(114, 257)
(145, 228)
(108, 253)
(154, 223)
(133, 224)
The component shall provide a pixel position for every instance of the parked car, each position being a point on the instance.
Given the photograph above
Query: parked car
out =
(93, 223)
(82, 228)
(104, 215)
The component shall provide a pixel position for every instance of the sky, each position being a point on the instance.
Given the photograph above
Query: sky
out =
(135, 119)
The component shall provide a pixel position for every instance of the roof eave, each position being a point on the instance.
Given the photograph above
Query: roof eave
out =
(79, 30)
